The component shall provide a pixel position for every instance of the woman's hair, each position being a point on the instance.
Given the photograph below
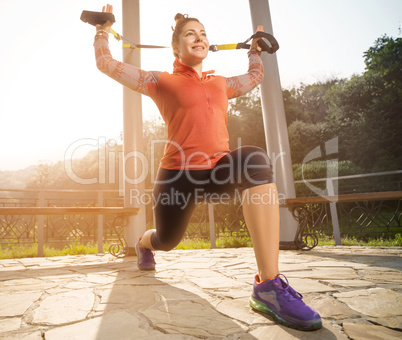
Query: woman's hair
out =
(181, 21)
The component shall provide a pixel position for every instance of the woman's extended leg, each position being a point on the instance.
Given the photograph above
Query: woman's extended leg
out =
(271, 294)
(261, 213)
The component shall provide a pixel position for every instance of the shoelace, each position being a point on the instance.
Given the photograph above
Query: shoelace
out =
(289, 291)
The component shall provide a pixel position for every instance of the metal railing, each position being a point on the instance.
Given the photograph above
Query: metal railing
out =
(63, 217)
(68, 216)
(361, 214)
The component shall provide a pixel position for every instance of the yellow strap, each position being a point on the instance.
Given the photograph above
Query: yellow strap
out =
(226, 47)
(130, 46)
(219, 47)
(117, 36)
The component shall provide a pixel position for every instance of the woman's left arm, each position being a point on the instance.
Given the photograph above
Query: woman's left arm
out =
(240, 85)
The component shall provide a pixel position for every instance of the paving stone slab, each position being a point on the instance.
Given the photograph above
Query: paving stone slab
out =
(348, 283)
(183, 291)
(24, 336)
(304, 286)
(232, 293)
(25, 284)
(64, 308)
(394, 322)
(381, 275)
(329, 307)
(328, 332)
(126, 297)
(191, 318)
(8, 325)
(370, 332)
(239, 309)
(326, 273)
(117, 325)
(340, 263)
(373, 302)
(216, 282)
(15, 304)
(16, 268)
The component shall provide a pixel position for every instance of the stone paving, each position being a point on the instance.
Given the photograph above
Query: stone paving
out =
(198, 294)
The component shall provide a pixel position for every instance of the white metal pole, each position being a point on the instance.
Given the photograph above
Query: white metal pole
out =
(41, 224)
(212, 235)
(100, 223)
(334, 213)
(132, 130)
(275, 127)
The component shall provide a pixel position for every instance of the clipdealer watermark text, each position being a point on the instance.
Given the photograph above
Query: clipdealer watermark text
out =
(199, 196)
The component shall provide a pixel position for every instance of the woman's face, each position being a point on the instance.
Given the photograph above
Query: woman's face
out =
(193, 43)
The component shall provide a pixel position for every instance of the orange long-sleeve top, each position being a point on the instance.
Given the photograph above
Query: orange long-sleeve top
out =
(193, 108)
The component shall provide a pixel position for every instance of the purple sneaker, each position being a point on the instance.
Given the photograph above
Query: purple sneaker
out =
(145, 258)
(276, 298)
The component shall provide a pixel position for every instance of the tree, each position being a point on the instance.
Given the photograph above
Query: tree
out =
(245, 122)
(308, 103)
(385, 59)
(365, 110)
(305, 137)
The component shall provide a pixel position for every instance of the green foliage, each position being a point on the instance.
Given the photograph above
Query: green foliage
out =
(365, 111)
(323, 169)
(245, 123)
(385, 59)
(367, 123)
(18, 251)
(308, 103)
(305, 137)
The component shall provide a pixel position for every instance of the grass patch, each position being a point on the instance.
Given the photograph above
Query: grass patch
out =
(221, 242)
(324, 240)
(31, 250)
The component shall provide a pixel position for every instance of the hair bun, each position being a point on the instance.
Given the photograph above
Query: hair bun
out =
(179, 17)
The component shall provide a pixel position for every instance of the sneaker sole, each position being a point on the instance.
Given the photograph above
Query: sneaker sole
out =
(262, 307)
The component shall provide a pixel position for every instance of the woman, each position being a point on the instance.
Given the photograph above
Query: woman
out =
(198, 164)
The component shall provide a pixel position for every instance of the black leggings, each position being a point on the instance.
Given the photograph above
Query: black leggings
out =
(177, 192)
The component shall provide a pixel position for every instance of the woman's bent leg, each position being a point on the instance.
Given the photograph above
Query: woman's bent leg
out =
(174, 202)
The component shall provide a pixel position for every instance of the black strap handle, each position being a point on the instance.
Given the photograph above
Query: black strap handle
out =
(97, 18)
(273, 45)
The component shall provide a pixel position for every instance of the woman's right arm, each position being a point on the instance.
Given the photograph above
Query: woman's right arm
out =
(126, 74)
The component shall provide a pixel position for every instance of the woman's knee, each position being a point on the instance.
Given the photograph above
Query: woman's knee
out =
(164, 242)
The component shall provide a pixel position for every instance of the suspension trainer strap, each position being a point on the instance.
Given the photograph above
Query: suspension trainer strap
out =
(100, 18)
(270, 48)
(129, 44)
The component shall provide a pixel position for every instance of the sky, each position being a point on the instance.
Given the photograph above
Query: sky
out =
(52, 96)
